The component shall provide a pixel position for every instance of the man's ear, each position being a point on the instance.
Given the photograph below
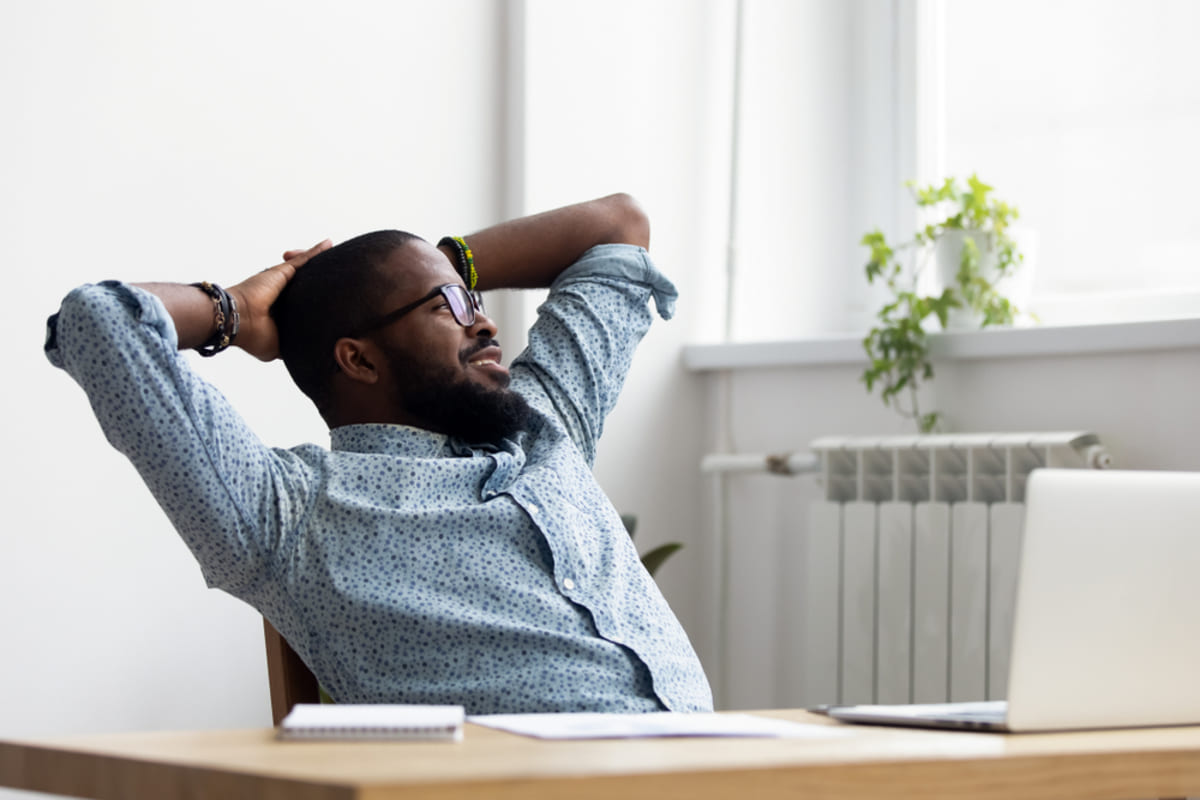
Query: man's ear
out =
(356, 358)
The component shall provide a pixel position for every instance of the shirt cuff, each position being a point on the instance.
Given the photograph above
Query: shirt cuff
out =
(627, 263)
(89, 300)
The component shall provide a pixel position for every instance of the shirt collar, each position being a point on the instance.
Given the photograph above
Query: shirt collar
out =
(402, 440)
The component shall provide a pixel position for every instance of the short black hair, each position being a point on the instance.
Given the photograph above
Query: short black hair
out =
(335, 293)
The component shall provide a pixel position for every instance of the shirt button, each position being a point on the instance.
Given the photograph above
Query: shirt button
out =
(568, 584)
(533, 510)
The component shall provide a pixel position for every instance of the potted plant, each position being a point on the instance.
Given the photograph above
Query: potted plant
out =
(969, 234)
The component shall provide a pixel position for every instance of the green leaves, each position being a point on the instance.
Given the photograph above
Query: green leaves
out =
(932, 195)
(897, 347)
(655, 558)
(881, 254)
(940, 306)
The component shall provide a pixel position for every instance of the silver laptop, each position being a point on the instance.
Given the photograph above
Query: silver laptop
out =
(1106, 632)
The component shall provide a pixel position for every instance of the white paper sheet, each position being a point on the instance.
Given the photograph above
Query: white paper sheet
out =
(633, 726)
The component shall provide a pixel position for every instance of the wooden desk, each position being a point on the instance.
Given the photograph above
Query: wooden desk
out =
(868, 763)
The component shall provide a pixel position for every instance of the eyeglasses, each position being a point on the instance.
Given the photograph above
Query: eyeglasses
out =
(462, 304)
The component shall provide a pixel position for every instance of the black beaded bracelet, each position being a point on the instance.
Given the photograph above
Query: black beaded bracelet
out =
(225, 316)
(464, 257)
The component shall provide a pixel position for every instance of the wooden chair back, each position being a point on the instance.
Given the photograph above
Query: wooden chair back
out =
(290, 679)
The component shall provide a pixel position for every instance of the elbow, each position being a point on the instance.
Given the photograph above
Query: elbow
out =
(630, 224)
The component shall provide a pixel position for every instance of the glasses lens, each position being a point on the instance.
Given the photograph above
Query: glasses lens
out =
(461, 305)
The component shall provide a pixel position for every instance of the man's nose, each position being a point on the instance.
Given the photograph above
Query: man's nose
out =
(484, 326)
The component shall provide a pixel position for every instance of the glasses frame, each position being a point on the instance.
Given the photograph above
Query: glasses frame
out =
(457, 297)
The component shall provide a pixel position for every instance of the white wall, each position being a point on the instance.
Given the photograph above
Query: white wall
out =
(190, 141)
(152, 141)
(652, 82)
(653, 91)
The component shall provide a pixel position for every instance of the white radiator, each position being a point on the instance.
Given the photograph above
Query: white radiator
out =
(909, 567)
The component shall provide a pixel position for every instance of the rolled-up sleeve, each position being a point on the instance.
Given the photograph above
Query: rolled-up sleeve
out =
(582, 344)
(231, 498)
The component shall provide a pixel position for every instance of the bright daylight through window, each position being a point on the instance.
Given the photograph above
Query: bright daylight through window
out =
(1085, 114)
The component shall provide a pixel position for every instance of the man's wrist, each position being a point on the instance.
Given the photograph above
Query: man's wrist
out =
(226, 319)
(463, 259)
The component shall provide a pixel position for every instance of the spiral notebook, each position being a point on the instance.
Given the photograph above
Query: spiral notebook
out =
(311, 721)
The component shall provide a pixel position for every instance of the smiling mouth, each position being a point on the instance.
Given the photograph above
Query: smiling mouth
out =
(485, 354)
(492, 368)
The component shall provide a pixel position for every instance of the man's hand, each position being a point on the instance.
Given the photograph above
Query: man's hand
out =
(255, 295)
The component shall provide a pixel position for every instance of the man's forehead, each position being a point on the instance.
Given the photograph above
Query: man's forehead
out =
(418, 265)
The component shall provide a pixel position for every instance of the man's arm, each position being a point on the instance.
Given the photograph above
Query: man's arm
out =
(230, 497)
(581, 346)
(530, 252)
(191, 310)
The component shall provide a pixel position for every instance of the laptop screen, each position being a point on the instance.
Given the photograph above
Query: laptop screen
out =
(1107, 623)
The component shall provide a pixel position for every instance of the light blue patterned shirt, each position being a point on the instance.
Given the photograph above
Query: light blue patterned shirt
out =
(403, 565)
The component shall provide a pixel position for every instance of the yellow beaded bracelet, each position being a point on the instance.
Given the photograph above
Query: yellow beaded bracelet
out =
(465, 258)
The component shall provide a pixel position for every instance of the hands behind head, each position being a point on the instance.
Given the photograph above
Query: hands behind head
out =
(255, 295)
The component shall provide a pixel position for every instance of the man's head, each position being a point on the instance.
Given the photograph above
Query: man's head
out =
(366, 333)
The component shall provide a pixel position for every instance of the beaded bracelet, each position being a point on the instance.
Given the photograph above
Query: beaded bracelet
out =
(465, 258)
(225, 317)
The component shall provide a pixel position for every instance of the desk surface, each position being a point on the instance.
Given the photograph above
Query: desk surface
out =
(870, 762)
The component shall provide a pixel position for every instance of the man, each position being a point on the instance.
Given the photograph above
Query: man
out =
(452, 546)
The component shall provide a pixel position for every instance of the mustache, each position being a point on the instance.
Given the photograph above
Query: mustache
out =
(482, 344)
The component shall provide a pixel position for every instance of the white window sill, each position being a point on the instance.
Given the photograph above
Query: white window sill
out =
(1048, 340)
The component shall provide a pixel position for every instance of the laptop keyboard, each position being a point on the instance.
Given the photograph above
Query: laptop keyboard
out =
(990, 711)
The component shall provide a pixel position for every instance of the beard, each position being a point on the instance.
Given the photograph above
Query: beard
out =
(447, 402)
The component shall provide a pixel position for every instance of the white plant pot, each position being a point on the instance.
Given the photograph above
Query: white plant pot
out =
(1017, 285)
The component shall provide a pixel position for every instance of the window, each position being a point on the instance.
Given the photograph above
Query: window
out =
(1086, 115)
